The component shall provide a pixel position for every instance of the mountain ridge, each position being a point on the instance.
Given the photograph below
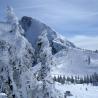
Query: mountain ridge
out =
(34, 29)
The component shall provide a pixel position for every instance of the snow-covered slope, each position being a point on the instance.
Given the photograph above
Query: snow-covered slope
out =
(79, 90)
(3, 95)
(75, 62)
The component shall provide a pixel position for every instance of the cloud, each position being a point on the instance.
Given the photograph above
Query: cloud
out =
(85, 42)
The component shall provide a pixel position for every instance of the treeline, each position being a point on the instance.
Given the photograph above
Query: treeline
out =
(93, 79)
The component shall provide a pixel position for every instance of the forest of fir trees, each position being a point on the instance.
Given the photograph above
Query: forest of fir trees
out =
(87, 79)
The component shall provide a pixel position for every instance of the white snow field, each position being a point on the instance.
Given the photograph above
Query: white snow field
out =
(3, 95)
(79, 90)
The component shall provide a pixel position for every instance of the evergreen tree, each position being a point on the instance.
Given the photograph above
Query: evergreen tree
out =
(76, 79)
(89, 60)
(81, 80)
(95, 78)
(91, 81)
(10, 16)
(68, 79)
(72, 79)
(87, 79)
(55, 79)
(63, 79)
(45, 57)
(96, 51)
(60, 79)
(12, 19)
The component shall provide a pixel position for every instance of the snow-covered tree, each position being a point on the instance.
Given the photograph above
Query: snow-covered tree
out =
(10, 16)
(45, 57)
(89, 60)
(13, 20)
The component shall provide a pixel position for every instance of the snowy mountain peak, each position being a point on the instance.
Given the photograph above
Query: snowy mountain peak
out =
(33, 28)
(68, 58)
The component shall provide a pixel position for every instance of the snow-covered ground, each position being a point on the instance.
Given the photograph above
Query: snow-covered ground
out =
(3, 95)
(79, 90)
(75, 61)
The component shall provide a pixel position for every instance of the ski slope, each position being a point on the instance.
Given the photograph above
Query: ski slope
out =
(79, 90)
(3, 95)
(75, 62)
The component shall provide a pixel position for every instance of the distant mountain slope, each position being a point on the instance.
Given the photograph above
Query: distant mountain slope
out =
(75, 62)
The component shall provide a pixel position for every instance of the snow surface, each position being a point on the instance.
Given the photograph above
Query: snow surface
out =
(75, 62)
(79, 90)
(3, 95)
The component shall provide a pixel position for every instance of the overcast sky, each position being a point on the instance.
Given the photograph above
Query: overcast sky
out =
(77, 20)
